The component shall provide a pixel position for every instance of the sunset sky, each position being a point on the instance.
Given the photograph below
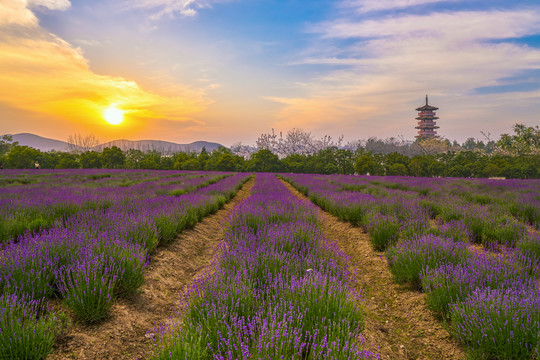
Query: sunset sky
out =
(229, 70)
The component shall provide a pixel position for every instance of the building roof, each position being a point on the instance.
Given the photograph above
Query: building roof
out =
(427, 106)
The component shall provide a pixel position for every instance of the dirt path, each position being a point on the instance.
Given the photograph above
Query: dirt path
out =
(398, 323)
(174, 266)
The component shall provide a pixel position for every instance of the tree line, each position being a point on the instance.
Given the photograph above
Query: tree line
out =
(514, 155)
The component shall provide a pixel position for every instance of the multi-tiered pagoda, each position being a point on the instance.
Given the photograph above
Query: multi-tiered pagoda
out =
(426, 121)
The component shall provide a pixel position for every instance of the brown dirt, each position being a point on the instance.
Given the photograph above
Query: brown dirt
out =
(174, 266)
(398, 323)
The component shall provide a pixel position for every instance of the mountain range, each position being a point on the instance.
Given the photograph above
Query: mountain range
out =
(164, 147)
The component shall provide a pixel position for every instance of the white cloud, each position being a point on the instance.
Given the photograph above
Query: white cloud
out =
(13, 12)
(50, 4)
(389, 64)
(364, 6)
(454, 26)
(88, 42)
(17, 12)
(160, 8)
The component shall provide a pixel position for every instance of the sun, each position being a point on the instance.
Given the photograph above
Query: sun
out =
(113, 115)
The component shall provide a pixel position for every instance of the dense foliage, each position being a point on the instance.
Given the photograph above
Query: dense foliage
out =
(513, 156)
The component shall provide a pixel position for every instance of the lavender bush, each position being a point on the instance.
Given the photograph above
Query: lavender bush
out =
(26, 332)
(453, 283)
(408, 259)
(499, 323)
(383, 230)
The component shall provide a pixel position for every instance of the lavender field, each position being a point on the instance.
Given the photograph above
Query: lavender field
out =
(85, 238)
(74, 242)
(472, 246)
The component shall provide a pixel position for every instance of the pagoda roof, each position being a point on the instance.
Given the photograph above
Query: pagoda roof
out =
(427, 106)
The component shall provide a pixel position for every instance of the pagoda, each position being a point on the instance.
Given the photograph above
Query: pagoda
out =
(426, 121)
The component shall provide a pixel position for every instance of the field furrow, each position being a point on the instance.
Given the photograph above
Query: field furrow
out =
(398, 322)
(174, 267)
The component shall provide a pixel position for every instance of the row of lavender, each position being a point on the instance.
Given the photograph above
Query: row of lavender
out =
(47, 197)
(89, 259)
(480, 211)
(491, 298)
(278, 290)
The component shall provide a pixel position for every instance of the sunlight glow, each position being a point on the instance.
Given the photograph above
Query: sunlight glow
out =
(113, 115)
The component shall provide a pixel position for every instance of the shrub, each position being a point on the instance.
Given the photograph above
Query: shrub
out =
(505, 230)
(453, 229)
(410, 257)
(383, 230)
(499, 323)
(414, 228)
(88, 287)
(26, 333)
(452, 283)
(530, 245)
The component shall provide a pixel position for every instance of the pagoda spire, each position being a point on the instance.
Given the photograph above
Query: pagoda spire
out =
(427, 123)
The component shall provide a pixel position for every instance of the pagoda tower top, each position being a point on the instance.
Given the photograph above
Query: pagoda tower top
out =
(427, 123)
(427, 106)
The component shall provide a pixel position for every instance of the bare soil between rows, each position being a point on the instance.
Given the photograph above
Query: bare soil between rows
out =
(398, 323)
(173, 268)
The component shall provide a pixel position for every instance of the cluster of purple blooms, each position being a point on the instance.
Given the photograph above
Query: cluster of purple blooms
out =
(53, 196)
(95, 254)
(278, 290)
(491, 296)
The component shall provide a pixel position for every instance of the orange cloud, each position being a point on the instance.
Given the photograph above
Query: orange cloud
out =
(41, 73)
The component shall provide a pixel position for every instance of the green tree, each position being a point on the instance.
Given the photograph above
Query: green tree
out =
(67, 161)
(264, 161)
(421, 165)
(397, 169)
(226, 162)
(525, 141)
(167, 163)
(22, 157)
(392, 160)
(179, 159)
(113, 158)
(344, 161)
(203, 157)
(365, 164)
(491, 170)
(90, 160)
(192, 164)
(6, 144)
(151, 161)
(48, 160)
(295, 163)
(133, 159)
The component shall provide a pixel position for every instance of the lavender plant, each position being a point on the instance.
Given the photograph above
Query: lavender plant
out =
(408, 259)
(530, 245)
(453, 283)
(499, 323)
(26, 331)
(88, 286)
(383, 230)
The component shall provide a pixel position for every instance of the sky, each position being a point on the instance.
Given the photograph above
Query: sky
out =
(229, 70)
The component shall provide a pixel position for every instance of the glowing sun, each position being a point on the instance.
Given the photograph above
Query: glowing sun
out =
(113, 115)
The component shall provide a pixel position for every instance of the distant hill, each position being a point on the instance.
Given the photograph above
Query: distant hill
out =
(40, 142)
(164, 147)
